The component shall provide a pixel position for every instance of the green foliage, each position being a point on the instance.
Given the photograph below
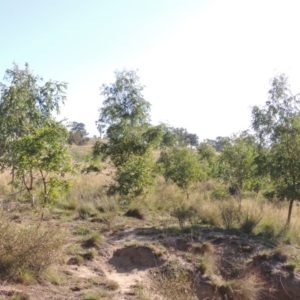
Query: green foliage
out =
(277, 128)
(25, 104)
(78, 134)
(208, 158)
(218, 144)
(33, 145)
(182, 166)
(220, 192)
(131, 140)
(135, 177)
(236, 165)
(123, 101)
(185, 138)
(93, 239)
(169, 138)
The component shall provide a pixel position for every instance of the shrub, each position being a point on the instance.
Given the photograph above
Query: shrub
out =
(210, 216)
(220, 192)
(230, 214)
(29, 249)
(184, 213)
(249, 221)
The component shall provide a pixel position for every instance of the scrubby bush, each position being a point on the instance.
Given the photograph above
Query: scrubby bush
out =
(210, 216)
(230, 214)
(29, 249)
(184, 213)
(220, 192)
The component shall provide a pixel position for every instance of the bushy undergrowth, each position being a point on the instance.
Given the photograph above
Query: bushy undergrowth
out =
(185, 213)
(27, 249)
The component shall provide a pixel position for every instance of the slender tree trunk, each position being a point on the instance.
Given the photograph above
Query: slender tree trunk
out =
(240, 198)
(32, 200)
(45, 187)
(288, 222)
(187, 194)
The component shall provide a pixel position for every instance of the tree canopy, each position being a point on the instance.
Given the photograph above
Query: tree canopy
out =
(32, 143)
(277, 128)
(131, 139)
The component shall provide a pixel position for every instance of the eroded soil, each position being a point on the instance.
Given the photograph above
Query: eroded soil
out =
(130, 259)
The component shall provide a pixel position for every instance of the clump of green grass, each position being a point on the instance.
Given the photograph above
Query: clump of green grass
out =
(94, 239)
(249, 220)
(90, 254)
(52, 275)
(96, 294)
(81, 230)
(76, 260)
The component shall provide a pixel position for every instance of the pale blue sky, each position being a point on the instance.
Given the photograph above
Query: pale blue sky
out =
(204, 63)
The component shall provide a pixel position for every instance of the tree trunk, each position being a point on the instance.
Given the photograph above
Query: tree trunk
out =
(187, 194)
(288, 222)
(239, 192)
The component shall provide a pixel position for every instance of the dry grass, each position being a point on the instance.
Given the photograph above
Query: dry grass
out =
(250, 287)
(27, 249)
(175, 282)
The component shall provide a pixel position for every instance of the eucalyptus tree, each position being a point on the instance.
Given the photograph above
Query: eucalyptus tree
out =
(182, 166)
(32, 144)
(236, 164)
(131, 139)
(277, 127)
(208, 158)
(78, 134)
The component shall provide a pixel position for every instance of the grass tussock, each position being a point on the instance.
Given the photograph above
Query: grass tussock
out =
(93, 240)
(250, 287)
(175, 282)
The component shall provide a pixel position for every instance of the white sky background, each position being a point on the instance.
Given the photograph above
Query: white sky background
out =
(204, 63)
(213, 69)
